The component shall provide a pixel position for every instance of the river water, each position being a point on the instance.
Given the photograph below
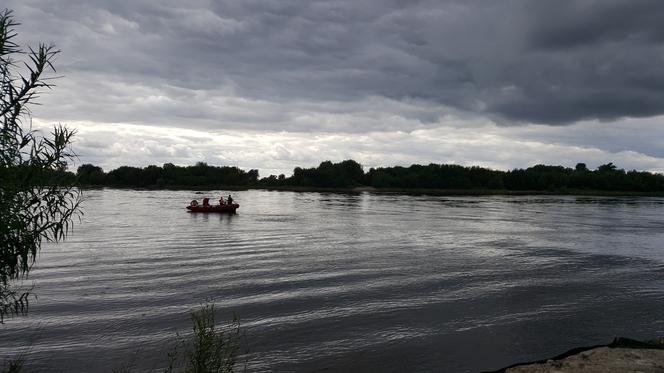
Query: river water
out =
(346, 282)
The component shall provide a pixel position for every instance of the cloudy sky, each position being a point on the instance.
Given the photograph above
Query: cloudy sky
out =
(275, 84)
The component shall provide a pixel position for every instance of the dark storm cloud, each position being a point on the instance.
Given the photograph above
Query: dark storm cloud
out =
(551, 62)
(569, 24)
(586, 60)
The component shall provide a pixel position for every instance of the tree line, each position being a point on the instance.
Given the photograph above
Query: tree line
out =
(350, 174)
(168, 175)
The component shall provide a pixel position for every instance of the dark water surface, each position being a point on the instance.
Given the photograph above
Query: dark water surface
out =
(337, 282)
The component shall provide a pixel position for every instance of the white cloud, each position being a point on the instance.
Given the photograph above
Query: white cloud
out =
(111, 145)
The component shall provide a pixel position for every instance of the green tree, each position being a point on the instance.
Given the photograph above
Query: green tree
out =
(33, 205)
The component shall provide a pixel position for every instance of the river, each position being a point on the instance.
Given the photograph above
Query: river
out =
(346, 282)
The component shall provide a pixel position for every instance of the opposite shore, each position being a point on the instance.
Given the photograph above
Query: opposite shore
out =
(400, 191)
(350, 177)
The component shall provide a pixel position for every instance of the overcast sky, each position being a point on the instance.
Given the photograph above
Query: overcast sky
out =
(275, 84)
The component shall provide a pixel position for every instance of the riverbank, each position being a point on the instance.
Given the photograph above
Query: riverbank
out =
(469, 192)
(403, 191)
(622, 355)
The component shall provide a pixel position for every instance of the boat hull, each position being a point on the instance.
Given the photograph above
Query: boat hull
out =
(214, 208)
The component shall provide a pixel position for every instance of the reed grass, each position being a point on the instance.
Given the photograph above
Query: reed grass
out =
(13, 366)
(211, 348)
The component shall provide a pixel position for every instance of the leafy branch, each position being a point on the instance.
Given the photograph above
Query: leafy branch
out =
(34, 206)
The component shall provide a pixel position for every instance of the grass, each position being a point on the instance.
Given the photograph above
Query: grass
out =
(13, 366)
(211, 349)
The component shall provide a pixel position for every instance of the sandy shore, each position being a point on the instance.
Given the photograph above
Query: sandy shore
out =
(621, 355)
(601, 360)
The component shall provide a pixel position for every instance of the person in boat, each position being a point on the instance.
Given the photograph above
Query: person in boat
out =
(221, 200)
(230, 199)
(193, 203)
(206, 202)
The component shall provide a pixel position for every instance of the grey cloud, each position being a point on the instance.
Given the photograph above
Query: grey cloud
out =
(646, 135)
(550, 62)
(574, 24)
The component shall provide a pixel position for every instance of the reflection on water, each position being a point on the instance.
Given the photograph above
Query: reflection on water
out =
(342, 282)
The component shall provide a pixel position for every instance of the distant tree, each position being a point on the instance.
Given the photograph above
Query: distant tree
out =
(607, 167)
(33, 205)
(252, 175)
(125, 176)
(349, 173)
(88, 174)
(152, 175)
(581, 167)
(327, 174)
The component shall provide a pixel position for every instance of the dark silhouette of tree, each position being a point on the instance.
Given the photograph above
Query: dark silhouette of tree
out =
(126, 176)
(581, 167)
(349, 174)
(329, 175)
(607, 167)
(34, 204)
(167, 176)
(252, 175)
(90, 175)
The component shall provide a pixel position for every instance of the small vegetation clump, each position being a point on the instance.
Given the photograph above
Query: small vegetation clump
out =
(211, 349)
(13, 366)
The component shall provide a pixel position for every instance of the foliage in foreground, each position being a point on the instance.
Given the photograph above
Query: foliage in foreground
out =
(211, 349)
(33, 207)
(13, 366)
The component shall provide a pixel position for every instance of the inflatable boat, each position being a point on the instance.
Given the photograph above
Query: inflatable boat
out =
(206, 207)
(214, 208)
